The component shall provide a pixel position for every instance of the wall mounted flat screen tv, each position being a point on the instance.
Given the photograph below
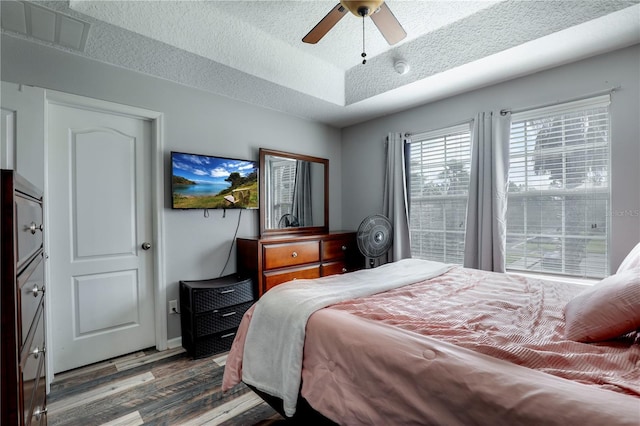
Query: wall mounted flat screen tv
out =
(209, 182)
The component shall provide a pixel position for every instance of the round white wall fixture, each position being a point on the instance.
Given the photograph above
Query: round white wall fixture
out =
(401, 67)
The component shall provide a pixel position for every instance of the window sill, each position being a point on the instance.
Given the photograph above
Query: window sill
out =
(560, 278)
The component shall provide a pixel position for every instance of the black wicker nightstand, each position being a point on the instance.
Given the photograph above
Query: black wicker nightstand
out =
(210, 312)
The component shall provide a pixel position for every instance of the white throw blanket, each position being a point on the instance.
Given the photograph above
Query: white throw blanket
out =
(272, 359)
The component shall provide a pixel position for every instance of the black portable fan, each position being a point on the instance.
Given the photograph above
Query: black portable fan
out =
(287, 221)
(374, 236)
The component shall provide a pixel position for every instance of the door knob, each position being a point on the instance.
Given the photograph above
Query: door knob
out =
(146, 246)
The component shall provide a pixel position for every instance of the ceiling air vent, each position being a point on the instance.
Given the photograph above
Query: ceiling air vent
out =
(44, 24)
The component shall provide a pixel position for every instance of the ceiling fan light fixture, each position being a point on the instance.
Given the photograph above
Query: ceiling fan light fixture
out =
(377, 10)
(362, 7)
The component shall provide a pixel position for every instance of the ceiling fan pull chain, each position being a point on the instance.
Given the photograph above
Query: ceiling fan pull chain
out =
(364, 55)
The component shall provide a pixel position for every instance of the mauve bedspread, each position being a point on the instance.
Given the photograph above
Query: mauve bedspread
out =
(436, 352)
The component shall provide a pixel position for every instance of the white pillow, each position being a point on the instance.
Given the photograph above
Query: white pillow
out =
(609, 309)
(632, 260)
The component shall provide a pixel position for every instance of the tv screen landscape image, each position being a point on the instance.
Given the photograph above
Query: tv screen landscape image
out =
(210, 182)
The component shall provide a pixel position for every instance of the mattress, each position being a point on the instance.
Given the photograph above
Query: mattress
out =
(466, 347)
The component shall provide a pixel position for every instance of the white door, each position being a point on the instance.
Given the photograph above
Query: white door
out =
(100, 229)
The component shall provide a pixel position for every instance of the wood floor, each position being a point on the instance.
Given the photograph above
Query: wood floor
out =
(154, 388)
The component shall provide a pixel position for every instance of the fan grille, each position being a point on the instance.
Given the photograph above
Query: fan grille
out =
(375, 236)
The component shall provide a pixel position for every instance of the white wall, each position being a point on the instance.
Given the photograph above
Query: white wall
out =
(363, 144)
(24, 109)
(195, 121)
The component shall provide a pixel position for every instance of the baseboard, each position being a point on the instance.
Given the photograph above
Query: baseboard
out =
(176, 342)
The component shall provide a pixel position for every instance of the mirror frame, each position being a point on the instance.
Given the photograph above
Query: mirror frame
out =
(264, 232)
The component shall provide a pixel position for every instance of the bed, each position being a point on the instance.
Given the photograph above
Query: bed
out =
(419, 342)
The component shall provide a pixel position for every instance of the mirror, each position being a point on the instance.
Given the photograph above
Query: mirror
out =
(294, 193)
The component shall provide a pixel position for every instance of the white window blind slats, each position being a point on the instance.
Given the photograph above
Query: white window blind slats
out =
(565, 108)
(439, 181)
(283, 178)
(558, 200)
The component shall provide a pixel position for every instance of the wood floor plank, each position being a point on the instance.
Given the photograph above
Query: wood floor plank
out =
(131, 419)
(189, 398)
(102, 392)
(227, 410)
(182, 389)
(147, 359)
(260, 415)
(221, 360)
(67, 375)
(62, 389)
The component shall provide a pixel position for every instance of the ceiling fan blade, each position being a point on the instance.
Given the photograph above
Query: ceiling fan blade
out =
(325, 24)
(388, 24)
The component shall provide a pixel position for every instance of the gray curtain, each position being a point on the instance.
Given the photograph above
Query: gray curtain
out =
(301, 208)
(485, 238)
(395, 205)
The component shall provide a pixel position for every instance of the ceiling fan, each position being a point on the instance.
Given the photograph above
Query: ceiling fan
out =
(377, 10)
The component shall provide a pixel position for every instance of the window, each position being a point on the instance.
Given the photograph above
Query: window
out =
(438, 190)
(558, 199)
(283, 180)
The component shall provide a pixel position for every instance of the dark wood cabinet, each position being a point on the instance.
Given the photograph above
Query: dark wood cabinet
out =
(277, 259)
(210, 312)
(23, 385)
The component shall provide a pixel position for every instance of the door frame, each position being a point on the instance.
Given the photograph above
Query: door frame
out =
(157, 176)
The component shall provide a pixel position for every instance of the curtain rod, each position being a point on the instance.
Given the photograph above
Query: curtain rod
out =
(460, 123)
(579, 98)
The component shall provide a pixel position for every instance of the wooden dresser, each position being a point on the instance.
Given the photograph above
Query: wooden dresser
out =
(23, 396)
(277, 259)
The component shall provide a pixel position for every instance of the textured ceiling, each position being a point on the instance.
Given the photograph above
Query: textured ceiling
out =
(252, 50)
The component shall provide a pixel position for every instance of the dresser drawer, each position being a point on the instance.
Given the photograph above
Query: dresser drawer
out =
(34, 343)
(208, 345)
(28, 229)
(220, 319)
(32, 369)
(33, 388)
(290, 254)
(207, 295)
(30, 293)
(333, 268)
(271, 279)
(337, 249)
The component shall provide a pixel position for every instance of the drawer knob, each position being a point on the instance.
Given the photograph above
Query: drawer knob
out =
(344, 248)
(33, 227)
(35, 290)
(344, 270)
(38, 412)
(37, 351)
(294, 254)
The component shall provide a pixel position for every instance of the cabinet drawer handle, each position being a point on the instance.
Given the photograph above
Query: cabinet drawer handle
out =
(38, 412)
(228, 314)
(224, 336)
(33, 227)
(344, 248)
(35, 290)
(344, 270)
(231, 290)
(37, 351)
(294, 254)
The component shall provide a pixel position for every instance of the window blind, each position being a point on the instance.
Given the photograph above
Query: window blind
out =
(283, 181)
(438, 187)
(559, 190)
